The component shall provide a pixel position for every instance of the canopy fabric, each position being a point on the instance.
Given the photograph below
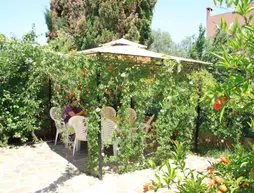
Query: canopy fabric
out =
(124, 42)
(179, 59)
(126, 47)
(124, 50)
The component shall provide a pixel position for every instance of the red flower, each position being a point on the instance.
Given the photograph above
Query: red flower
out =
(209, 168)
(218, 104)
(211, 172)
(224, 160)
(148, 187)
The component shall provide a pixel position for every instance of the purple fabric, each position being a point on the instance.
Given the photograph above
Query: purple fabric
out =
(69, 109)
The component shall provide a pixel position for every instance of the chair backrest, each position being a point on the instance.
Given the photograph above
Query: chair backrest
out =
(133, 114)
(148, 123)
(80, 125)
(107, 128)
(108, 112)
(55, 113)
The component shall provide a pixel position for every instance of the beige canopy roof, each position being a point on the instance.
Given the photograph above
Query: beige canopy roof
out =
(124, 42)
(124, 50)
(126, 47)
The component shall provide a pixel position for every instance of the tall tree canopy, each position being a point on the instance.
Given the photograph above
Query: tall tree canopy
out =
(197, 50)
(163, 43)
(92, 22)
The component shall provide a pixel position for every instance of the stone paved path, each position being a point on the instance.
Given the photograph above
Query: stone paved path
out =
(48, 168)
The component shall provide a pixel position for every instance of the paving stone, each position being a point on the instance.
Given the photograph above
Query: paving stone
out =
(22, 190)
(6, 185)
(49, 168)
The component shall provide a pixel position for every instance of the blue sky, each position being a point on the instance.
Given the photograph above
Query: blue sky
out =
(179, 18)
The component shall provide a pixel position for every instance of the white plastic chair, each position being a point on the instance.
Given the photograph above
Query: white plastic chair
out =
(133, 114)
(79, 123)
(107, 128)
(108, 112)
(148, 125)
(56, 116)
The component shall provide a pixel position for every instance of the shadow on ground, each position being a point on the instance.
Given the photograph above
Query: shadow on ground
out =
(79, 161)
(80, 158)
(68, 174)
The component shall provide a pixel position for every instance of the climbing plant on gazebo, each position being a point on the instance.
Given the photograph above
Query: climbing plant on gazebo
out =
(126, 80)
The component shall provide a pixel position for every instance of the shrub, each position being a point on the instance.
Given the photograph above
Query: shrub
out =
(23, 89)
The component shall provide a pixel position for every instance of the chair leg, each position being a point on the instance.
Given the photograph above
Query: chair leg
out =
(102, 147)
(78, 145)
(67, 139)
(115, 149)
(56, 136)
(74, 147)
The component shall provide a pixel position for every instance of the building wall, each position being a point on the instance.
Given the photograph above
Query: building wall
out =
(212, 20)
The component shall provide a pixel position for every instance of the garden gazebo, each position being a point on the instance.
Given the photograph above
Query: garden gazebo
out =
(124, 48)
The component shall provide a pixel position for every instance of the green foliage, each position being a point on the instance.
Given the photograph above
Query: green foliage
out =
(63, 43)
(214, 45)
(235, 172)
(92, 22)
(163, 43)
(236, 60)
(48, 19)
(70, 75)
(214, 152)
(175, 173)
(169, 87)
(184, 46)
(178, 109)
(232, 125)
(197, 49)
(202, 48)
(172, 89)
(23, 89)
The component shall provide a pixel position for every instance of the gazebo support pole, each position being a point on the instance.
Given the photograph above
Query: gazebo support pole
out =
(99, 133)
(50, 105)
(198, 121)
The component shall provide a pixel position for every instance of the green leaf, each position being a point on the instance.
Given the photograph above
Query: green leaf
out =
(221, 113)
(152, 164)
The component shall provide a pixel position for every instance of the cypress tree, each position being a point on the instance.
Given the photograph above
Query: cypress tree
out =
(93, 22)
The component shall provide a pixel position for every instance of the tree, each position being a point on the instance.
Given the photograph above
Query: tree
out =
(201, 48)
(237, 60)
(92, 22)
(185, 45)
(163, 43)
(198, 50)
(235, 95)
(214, 45)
